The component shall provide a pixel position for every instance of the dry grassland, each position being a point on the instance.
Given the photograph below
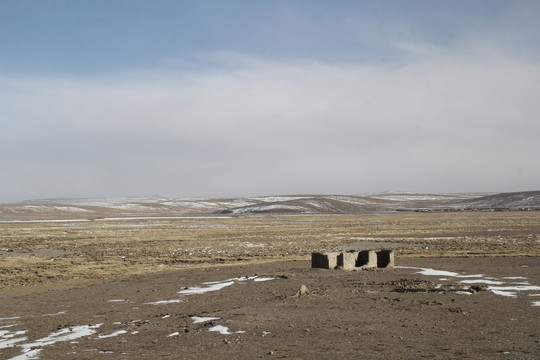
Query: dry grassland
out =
(53, 252)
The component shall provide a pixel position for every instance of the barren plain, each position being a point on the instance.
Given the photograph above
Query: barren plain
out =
(227, 284)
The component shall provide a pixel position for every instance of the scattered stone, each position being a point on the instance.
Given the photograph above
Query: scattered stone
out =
(302, 291)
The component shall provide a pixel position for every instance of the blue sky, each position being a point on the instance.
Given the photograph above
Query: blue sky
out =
(231, 98)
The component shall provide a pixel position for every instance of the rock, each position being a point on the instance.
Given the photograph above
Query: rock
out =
(302, 291)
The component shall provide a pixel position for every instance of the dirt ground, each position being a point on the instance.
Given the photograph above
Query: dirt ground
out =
(134, 288)
(394, 314)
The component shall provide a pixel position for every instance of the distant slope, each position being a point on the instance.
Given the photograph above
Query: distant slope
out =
(291, 204)
(526, 200)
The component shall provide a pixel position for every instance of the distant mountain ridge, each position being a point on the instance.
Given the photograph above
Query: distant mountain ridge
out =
(290, 204)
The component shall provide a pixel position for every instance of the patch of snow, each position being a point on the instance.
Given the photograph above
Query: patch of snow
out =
(463, 292)
(431, 272)
(162, 218)
(201, 290)
(262, 279)
(41, 221)
(498, 287)
(174, 334)
(117, 300)
(515, 288)
(223, 330)
(278, 198)
(198, 320)
(482, 281)
(9, 338)
(263, 208)
(32, 350)
(29, 355)
(57, 314)
(161, 302)
(504, 293)
(116, 333)
(536, 303)
(352, 200)
(73, 209)
(218, 285)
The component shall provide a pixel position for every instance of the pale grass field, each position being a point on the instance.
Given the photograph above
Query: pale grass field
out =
(73, 252)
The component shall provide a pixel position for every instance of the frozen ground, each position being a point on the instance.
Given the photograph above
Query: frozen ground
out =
(417, 309)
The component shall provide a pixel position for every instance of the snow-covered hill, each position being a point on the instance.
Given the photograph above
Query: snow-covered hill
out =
(89, 209)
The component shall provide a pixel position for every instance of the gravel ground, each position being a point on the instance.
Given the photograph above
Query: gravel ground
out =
(259, 311)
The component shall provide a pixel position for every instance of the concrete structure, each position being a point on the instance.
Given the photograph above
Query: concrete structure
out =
(324, 261)
(385, 258)
(367, 258)
(347, 260)
(351, 260)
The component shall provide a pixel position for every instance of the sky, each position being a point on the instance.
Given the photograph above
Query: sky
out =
(124, 98)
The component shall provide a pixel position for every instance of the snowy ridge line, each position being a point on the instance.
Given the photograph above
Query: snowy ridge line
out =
(287, 204)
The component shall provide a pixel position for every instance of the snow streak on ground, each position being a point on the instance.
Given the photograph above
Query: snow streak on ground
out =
(508, 286)
(12, 336)
(218, 285)
(162, 302)
(33, 349)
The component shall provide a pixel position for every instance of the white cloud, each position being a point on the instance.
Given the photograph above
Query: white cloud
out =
(445, 122)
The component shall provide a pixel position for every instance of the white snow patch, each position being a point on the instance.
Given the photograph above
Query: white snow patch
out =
(41, 221)
(29, 355)
(32, 350)
(201, 290)
(57, 314)
(174, 334)
(431, 272)
(515, 288)
(482, 281)
(117, 300)
(9, 338)
(224, 330)
(262, 279)
(161, 302)
(116, 333)
(218, 285)
(536, 303)
(278, 198)
(498, 287)
(504, 293)
(73, 209)
(198, 320)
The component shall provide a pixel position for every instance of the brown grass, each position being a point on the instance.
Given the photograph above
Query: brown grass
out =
(42, 253)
